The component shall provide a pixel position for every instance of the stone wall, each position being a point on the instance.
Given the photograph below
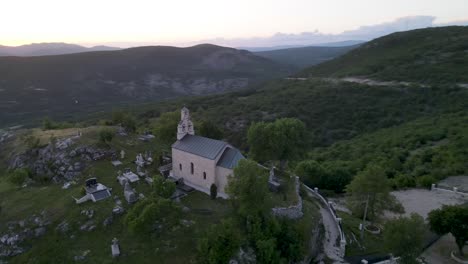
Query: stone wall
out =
(293, 211)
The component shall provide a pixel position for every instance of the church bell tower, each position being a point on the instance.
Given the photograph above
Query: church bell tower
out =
(185, 125)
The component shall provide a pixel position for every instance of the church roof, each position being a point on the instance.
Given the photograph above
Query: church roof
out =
(200, 146)
(230, 158)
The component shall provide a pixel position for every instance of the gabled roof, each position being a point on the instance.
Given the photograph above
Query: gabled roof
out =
(230, 158)
(200, 146)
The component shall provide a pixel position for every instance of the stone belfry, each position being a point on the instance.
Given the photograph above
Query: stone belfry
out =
(185, 125)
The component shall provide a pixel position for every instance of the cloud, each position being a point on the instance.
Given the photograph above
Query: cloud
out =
(313, 38)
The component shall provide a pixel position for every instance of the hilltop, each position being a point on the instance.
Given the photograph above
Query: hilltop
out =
(40, 86)
(431, 55)
(44, 49)
(302, 57)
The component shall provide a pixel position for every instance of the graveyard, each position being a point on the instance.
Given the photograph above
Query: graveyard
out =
(74, 229)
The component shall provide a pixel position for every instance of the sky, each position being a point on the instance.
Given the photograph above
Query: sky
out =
(137, 22)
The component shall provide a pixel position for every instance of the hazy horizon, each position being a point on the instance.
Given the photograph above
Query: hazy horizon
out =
(135, 23)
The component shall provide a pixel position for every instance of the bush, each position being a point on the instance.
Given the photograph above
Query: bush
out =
(18, 176)
(106, 135)
(213, 191)
(426, 181)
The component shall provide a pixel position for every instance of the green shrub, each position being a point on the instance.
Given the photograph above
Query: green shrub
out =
(426, 181)
(18, 176)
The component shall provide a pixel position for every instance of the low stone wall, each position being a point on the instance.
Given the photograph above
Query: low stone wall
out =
(454, 190)
(293, 211)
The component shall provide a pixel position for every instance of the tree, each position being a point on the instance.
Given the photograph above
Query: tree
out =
(151, 214)
(371, 185)
(219, 243)
(451, 219)
(48, 124)
(248, 189)
(163, 188)
(106, 135)
(213, 191)
(404, 237)
(165, 128)
(282, 140)
(311, 173)
(209, 130)
(124, 119)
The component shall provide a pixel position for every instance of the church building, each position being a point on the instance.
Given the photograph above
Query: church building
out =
(202, 161)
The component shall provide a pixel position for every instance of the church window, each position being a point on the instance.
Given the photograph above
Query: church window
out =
(191, 167)
(204, 175)
(180, 167)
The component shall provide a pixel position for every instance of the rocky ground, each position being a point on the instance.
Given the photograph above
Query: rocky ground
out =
(59, 161)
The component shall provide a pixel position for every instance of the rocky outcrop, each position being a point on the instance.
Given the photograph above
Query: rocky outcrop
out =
(11, 242)
(59, 162)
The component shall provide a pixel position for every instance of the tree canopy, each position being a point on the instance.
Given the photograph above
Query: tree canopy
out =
(210, 130)
(165, 127)
(282, 140)
(404, 237)
(451, 219)
(370, 184)
(248, 189)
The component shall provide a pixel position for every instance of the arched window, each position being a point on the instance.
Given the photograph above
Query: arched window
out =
(204, 175)
(191, 167)
(180, 167)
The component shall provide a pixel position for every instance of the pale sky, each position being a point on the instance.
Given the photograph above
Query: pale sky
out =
(172, 21)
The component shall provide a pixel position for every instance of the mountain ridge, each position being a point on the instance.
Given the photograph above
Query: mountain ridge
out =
(69, 82)
(49, 48)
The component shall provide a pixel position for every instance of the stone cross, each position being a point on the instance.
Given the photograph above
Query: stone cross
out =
(122, 154)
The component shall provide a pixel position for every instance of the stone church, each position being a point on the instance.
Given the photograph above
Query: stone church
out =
(202, 161)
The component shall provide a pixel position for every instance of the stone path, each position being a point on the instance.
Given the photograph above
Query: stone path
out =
(332, 235)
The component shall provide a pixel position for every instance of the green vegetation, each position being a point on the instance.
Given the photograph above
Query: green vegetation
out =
(328, 175)
(420, 152)
(106, 135)
(165, 127)
(152, 215)
(431, 55)
(273, 240)
(305, 56)
(65, 85)
(451, 219)
(219, 244)
(370, 190)
(18, 176)
(209, 130)
(213, 191)
(163, 188)
(404, 237)
(248, 190)
(282, 140)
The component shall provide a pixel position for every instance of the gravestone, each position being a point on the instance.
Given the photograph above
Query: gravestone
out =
(115, 248)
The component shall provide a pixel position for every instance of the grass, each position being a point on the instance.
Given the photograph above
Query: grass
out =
(167, 246)
(286, 196)
(174, 245)
(370, 244)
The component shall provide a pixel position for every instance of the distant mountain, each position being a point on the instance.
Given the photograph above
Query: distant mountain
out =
(365, 32)
(326, 44)
(305, 56)
(431, 55)
(43, 49)
(46, 85)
